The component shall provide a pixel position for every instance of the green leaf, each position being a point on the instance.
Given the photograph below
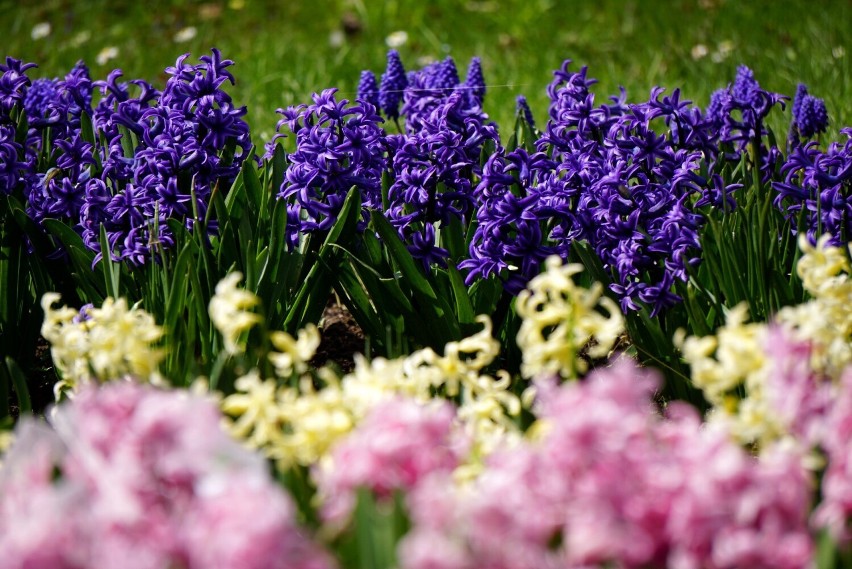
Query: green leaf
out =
(377, 531)
(436, 314)
(82, 260)
(254, 189)
(312, 296)
(19, 382)
(110, 268)
(464, 306)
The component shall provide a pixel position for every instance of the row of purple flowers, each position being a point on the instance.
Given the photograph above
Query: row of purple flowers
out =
(635, 180)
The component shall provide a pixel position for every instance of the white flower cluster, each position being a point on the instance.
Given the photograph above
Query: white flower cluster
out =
(826, 320)
(742, 370)
(100, 344)
(229, 311)
(560, 319)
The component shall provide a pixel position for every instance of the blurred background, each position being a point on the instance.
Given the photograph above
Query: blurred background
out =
(286, 50)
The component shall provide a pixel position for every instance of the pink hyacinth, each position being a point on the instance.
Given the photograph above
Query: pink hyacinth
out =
(396, 446)
(613, 482)
(137, 477)
(797, 395)
(836, 507)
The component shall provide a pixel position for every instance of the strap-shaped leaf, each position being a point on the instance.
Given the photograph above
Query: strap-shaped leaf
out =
(435, 311)
(312, 295)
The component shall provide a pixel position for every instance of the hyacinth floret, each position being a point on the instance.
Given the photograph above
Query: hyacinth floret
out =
(368, 88)
(338, 146)
(393, 83)
(13, 85)
(10, 165)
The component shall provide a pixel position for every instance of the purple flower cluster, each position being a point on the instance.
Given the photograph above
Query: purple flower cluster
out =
(164, 153)
(394, 82)
(810, 116)
(817, 188)
(524, 215)
(338, 146)
(421, 92)
(13, 88)
(611, 180)
(433, 169)
(431, 86)
(737, 114)
(617, 486)
(135, 477)
(11, 167)
(155, 156)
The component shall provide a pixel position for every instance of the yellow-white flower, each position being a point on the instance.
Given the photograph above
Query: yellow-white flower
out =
(229, 311)
(560, 318)
(255, 404)
(294, 354)
(108, 343)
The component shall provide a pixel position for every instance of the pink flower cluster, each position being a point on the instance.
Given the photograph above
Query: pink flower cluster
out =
(613, 483)
(135, 477)
(397, 445)
(835, 510)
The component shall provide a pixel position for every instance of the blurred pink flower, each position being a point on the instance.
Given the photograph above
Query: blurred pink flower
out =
(137, 477)
(396, 446)
(613, 482)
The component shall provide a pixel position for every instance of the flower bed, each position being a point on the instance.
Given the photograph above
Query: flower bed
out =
(622, 340)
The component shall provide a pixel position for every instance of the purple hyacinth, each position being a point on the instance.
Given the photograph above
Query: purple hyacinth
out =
(524, 108)
(394, 82)
(446, 78)
(801, 92)
(40, 99)
(475, 83)
(746, 90)
(432, 170)
(338, 146)
(524, 215)
(737, 113)
(13, 86)
(368, 88)
(812, 116)
(632, 186)
(10, 165)
(816, 186)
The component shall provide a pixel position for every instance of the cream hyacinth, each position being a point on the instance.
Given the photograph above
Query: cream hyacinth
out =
(229, 311)
(738, 356)
(826, 320)
(101, 344)
(560, 318)
(299, 423)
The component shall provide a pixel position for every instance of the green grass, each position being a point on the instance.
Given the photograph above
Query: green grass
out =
(283, 52)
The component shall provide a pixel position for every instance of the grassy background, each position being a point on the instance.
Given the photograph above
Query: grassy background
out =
(286, 50)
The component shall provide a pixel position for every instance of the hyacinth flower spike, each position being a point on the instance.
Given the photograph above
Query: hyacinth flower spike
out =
(393, 83)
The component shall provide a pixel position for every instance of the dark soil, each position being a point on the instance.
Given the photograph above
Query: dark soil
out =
(41, 378)
(342, 338)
